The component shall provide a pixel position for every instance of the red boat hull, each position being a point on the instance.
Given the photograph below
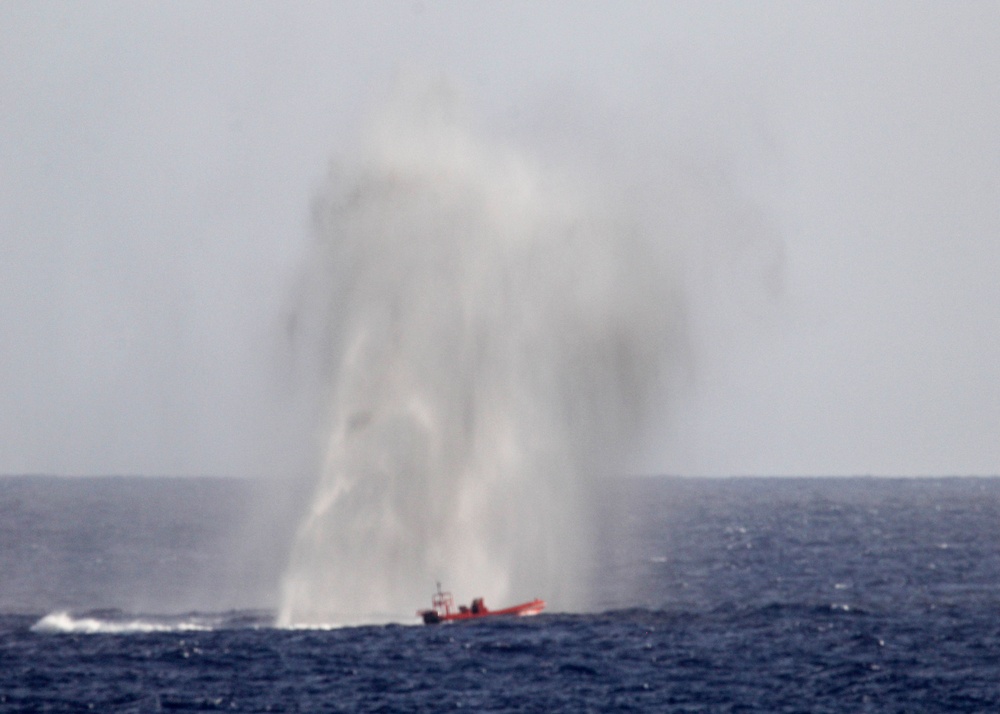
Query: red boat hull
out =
(447, 614)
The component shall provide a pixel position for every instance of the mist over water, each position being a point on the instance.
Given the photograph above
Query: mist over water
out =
(488, 335)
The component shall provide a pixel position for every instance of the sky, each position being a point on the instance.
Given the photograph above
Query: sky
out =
(832, 171)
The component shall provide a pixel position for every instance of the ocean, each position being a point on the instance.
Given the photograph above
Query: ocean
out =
(710, 595)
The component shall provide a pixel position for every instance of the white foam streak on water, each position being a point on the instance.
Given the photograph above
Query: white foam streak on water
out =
(490, 333)
(66, 622)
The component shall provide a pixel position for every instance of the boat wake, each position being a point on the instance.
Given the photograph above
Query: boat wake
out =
(116, 622)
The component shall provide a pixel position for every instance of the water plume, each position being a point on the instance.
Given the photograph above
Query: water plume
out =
(490, 333)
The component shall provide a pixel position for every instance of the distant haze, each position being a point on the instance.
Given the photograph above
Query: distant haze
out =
(823, 180)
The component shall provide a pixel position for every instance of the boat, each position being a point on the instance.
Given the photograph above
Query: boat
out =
(443, 609)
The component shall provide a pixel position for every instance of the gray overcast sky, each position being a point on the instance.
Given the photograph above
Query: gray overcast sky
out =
(157, 161)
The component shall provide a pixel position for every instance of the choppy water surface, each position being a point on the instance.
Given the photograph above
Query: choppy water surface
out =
(728, 595)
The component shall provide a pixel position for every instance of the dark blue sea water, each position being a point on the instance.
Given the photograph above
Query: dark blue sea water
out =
(729, 595)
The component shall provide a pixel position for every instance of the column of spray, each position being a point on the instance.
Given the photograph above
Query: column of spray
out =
(492, 333)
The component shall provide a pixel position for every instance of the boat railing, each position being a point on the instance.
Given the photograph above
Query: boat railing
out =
(443, 602)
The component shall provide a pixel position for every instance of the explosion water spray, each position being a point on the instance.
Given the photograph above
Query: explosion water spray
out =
(491, 333)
